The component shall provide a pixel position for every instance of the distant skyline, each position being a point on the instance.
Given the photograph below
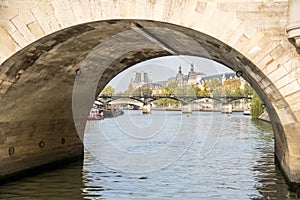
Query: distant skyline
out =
(162, 68)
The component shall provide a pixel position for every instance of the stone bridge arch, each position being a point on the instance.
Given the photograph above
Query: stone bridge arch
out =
(40, 71)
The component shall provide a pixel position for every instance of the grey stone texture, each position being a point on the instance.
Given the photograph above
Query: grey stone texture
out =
(43, 97)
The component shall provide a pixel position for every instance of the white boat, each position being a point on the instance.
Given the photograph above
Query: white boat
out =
(95, 114)
(246, 112)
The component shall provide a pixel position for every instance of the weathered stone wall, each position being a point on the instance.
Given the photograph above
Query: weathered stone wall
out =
(235, 22)
(255, 33)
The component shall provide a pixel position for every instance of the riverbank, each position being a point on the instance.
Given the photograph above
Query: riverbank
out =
(201, 110)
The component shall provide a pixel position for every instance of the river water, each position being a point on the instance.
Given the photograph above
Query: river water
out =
(165, 155)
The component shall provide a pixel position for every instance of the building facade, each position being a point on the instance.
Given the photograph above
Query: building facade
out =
(139, 79)
(191, 78)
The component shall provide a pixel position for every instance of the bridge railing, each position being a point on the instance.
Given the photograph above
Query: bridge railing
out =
(175, 96)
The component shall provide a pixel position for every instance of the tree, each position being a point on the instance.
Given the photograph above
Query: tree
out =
(130, 90)
(171, 87)
(203, 91)
(256, 106)
(190, 90)
(143, 91)
(167, 101)
(232, 86)
(215, 86)
(108, 90)
(248, 90)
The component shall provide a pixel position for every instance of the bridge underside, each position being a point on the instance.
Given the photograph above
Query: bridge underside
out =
(53, 82)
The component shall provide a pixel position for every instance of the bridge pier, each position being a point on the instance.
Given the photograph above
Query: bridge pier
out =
(186, 109)
(147, 109)
(226, 108)
(287, 151)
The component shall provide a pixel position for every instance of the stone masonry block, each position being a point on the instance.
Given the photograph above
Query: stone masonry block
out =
(293, 101)
(241, 44)
(265, 60)
(278, 51)
(280, 104)
(36, 29)
(253, 41)
(52, 21)
(254, 50)
(7, 26)
(297, 114)
(277, 73)
(285, 116)
(8, 46)
(77, 10)
(19, 39)
(5, 85)
(266, 44)
(47, 9)
(238, 33)
(95, 7)
(210, 10)
(22, 28)
(296, 108)
(264, 83)
(26, 16)
(41, 20)
(290, 88)
(250, 31)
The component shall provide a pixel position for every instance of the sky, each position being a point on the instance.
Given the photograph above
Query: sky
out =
(162, 68)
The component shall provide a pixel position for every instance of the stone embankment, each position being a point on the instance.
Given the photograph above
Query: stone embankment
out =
(264, 117)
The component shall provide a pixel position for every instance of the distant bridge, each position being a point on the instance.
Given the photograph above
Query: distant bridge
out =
(183, 99)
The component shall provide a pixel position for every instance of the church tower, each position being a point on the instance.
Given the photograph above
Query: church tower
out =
(180, 77)
(192, 76)
(223, 78)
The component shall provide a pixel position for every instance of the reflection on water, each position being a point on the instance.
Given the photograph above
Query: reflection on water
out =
(64, 183)
(240, 165)
(270, 181)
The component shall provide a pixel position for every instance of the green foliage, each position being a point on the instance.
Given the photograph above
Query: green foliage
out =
(170, 89)
(130, 90)
(166, 102)
(190, 90)
(108, 90)
(138, 91)
(232, 86)
(256, 106)
(248, 90)
(143, 91)
(203, 92)
(214, 87)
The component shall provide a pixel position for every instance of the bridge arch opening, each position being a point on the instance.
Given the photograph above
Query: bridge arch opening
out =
(39, 94)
